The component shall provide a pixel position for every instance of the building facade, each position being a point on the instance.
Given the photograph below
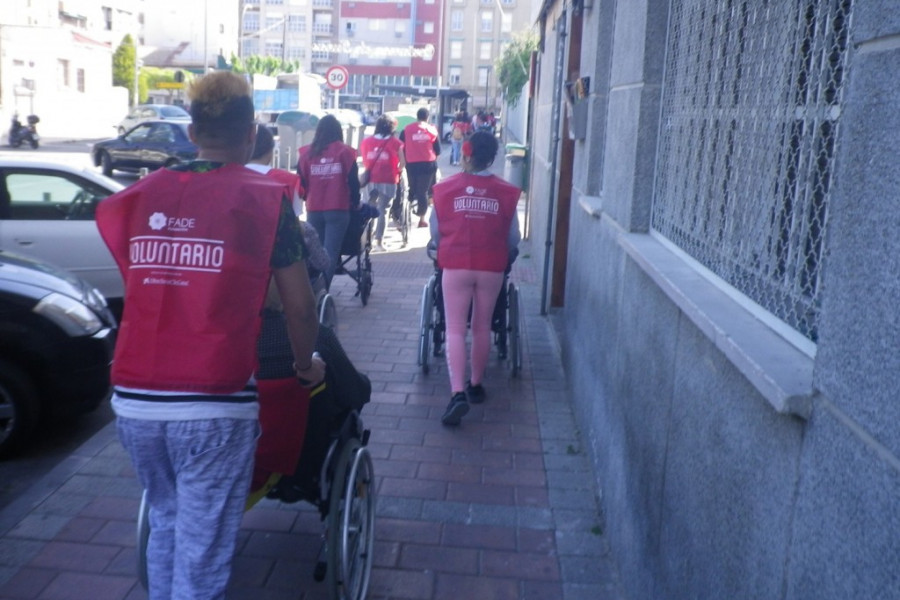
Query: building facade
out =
(712, 204)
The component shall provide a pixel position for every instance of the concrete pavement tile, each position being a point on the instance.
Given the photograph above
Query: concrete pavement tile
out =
(25, 583)
(479, 536)
(455, 587)
(39, 527)
(520, 565)
(406, 584)
(67, 556)
(451, 560)
(400, 508)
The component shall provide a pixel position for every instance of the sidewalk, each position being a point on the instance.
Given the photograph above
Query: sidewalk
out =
(501, 508)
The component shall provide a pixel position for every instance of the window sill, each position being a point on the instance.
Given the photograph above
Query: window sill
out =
(780, 370)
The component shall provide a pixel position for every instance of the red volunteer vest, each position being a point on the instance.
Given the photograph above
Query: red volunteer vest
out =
(289, 179)
(418, 140)
(381, 158)
(474, 213)
(194, 250)
(326, 177)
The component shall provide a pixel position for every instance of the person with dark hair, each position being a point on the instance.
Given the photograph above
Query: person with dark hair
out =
(328, 171)
(475, 228)
(458, 133)
(383, 157)
(422, 145)
(196, 245)
(317, 260)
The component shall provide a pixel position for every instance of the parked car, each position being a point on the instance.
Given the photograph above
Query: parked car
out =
(47, 211)
(153, 112)
(56, 345)
(150, 145)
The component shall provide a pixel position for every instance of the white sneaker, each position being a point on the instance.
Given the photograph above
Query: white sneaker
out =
(379, 248)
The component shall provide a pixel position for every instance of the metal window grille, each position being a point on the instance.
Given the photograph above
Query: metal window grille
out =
(750, 109)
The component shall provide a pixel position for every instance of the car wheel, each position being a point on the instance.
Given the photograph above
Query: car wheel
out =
(106, 164)
(18, 408)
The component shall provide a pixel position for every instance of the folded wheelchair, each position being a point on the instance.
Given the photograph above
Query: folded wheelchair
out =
(312, 449)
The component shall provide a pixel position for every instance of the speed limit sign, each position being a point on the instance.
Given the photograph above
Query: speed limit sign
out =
(337, 77)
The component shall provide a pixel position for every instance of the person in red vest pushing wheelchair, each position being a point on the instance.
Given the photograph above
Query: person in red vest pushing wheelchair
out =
(197, 245)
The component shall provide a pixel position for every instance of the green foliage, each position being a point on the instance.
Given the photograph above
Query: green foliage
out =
(265, 65)
(512, 66)
(123, 66)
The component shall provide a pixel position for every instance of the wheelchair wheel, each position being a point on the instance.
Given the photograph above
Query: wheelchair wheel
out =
(515, 330)
(327, 310)
(426, 322)
(366, 279)
(143, 536)
(351, 523)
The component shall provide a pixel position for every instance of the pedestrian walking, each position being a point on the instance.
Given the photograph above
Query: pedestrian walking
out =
(459, 130)
(329, 174)
(384, 160)
(475, 228)
(196, 245)
(422, 145)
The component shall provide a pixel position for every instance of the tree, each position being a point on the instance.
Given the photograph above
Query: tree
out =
(265, 65)
(124, 64)
(512, 66)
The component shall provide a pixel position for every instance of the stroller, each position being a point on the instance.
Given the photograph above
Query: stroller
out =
(356, 247)
(312, 448)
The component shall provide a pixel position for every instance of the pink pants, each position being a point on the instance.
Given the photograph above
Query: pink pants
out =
(460, 287)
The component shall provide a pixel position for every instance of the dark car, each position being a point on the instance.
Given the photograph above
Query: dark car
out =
(56, 345)
(150, 145)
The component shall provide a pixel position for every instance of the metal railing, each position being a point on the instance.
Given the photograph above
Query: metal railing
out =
(751, 106)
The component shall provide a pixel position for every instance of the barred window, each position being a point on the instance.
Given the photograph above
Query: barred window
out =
(750, 109)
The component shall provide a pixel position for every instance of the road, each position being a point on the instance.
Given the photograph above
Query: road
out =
(54, 441)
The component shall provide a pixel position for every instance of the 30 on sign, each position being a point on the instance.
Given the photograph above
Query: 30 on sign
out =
(337, 77)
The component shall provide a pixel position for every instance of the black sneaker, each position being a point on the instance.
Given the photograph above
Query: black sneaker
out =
(475, 393)
(457, 408)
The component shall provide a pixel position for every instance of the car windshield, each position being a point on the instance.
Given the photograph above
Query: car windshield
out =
(173, 111)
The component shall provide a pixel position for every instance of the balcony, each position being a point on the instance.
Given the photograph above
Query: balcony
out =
(323, 28)
(323, 3)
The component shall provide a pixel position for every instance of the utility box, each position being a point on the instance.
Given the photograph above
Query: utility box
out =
(515, 169)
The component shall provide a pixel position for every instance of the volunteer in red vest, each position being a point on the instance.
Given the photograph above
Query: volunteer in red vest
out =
(383, 157)
(328, 172)
(196, 246)
(421, 145)
(476, 231)
(459, 130)
(261, 162)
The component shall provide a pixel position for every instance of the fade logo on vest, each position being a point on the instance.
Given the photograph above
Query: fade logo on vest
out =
(160, 221)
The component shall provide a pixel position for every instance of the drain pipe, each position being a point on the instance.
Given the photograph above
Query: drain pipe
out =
(554, 161)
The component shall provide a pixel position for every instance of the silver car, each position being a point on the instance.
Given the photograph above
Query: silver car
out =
(153, 112)
(47, 211)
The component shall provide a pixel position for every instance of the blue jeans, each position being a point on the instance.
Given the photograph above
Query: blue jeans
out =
(197, 478)
(383, 195)
(331, 225)
(455, 151)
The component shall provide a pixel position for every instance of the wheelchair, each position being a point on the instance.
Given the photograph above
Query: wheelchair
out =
(326, 308)
(334, 471)
(356, 247)
(505, 322)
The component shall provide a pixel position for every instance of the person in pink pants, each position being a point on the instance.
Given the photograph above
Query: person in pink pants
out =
(475, 229)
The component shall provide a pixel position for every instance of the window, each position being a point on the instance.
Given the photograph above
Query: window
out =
(455, 75)
(249, 47)
(274, 49)
(294, 52)
(484, 50)
(484, 74)
(273, 2)
(251, 21)
(505, 22)
(487, 21)
(507, 2)
(79, 77)
(297, 23)
(428, 27)
(747, 151)
(62, 69)
(456, 48)
(107, 18)
(43, 196)
(456, 20)
(273, 21)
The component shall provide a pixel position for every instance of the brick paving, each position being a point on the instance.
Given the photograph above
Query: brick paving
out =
(501, 508)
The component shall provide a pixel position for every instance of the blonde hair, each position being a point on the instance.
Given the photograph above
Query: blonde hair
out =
(221, 107)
